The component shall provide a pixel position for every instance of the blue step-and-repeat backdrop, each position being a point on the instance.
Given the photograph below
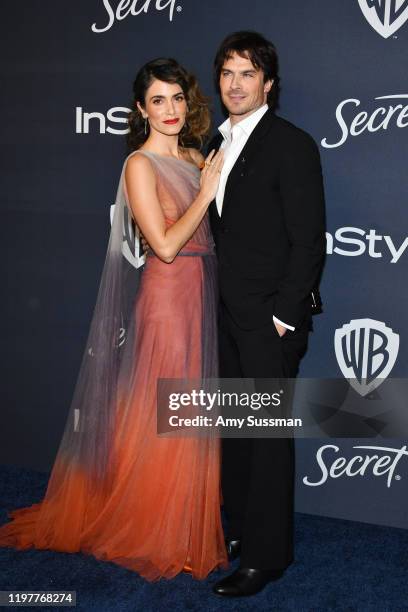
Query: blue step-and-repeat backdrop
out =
(67, 70)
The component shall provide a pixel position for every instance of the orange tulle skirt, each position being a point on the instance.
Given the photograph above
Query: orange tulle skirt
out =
(157, 512)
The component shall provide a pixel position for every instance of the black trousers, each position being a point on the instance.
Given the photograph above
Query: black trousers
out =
(258, 474)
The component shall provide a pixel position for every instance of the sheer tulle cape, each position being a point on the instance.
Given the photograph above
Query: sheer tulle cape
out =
(116, 490)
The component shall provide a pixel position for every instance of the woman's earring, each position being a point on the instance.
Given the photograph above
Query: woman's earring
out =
(145, 127)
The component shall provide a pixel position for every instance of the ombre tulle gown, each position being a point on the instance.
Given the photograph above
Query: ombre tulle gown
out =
(117, 490)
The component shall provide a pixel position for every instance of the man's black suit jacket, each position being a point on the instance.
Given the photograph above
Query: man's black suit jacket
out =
(270, 238)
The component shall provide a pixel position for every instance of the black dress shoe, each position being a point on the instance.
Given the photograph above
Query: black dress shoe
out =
(233, 548)
(246, 581)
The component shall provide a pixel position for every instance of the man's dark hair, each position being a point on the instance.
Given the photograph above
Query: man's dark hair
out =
(256, 48)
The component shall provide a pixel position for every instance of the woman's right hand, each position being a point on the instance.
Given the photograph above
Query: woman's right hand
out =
(210, 175)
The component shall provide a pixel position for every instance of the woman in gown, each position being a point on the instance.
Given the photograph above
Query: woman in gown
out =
(117, 490)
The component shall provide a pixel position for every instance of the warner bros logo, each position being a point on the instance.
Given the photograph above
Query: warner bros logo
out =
(366, 352)
(385, 16)
(132, 248)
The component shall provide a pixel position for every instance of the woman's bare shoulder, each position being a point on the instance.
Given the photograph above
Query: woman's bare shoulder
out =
(139, 163)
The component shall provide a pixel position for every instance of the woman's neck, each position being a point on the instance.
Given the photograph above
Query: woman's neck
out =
(163, 145)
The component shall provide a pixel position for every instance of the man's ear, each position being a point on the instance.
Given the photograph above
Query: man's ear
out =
(141, 110)
(268, 86)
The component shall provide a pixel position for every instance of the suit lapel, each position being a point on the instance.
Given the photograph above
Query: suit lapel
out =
(214, 144)
(244, 160)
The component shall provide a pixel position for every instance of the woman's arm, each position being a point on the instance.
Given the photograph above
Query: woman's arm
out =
(165, 241)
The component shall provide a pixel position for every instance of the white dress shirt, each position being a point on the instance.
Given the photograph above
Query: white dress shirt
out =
(234, 140)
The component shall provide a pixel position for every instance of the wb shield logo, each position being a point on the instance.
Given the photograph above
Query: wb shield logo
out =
(366, 352)
(131, 247)
(385, 16)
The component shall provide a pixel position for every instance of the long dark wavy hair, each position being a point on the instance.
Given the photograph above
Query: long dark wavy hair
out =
(259, 50)
(198, 120)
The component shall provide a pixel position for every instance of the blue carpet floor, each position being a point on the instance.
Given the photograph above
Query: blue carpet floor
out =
(340, 566)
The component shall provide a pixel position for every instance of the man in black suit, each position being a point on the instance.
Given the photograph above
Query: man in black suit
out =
(269, 229)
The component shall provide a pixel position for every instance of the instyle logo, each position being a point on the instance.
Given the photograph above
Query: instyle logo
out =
(125, 8)
(366, 351)
(393, 113)
(116, 115)
(377, 460)
(355, 241)
(385, 16)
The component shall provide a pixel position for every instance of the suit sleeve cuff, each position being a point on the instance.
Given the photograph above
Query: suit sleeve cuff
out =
(283, 324)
